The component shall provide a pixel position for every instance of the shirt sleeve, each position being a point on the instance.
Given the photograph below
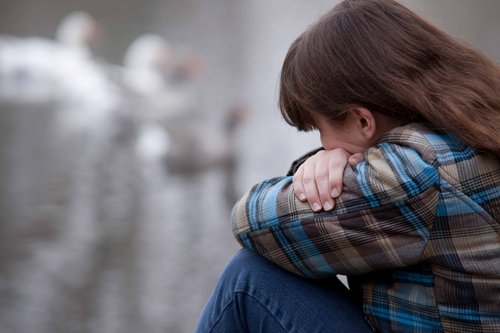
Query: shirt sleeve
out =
(381, 220)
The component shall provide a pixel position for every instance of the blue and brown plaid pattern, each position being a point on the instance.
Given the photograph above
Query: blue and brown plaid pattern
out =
(416, 228)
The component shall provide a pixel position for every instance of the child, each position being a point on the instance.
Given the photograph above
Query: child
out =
(404, 198)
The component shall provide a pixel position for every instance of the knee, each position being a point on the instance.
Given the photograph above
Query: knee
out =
(247, 268)
(243, 265)
(244, 258)
(237, 278)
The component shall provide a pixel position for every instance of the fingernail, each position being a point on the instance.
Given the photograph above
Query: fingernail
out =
(327, 205)
(316, 207)
(302, 196)
(335, 193)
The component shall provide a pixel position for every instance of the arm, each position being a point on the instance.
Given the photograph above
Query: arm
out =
(381, 220)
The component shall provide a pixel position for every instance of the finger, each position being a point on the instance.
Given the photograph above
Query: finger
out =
(309, 183)
(321, 177)
(298, 187)
(336, 165)
(355, 159)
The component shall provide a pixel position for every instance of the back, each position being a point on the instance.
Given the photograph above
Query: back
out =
(464, 247)
(457, 282)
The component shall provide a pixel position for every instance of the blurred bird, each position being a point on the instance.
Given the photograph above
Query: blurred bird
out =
(153, 74)
(147, 61)
(197, 148)
(79, 31)
(61, 70)
(153, 142)
(162, 90)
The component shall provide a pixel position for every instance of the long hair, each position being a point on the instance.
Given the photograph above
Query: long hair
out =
(380, 55)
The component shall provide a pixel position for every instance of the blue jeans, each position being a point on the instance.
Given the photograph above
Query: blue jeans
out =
(254, 295)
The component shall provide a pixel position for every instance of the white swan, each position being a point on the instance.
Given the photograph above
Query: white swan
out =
(60, 71)
(148, 64)
(147, 61)
(78, 31)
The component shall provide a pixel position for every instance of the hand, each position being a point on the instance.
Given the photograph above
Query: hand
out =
(319, 179)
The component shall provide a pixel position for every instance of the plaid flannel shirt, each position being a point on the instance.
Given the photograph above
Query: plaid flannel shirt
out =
(416, 228)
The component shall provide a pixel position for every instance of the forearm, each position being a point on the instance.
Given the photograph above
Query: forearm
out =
(262, 222)
(373, 226)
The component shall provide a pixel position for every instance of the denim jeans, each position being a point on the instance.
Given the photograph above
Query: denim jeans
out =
(254, 295)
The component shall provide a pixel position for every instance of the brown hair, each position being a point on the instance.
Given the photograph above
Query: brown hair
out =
(379, 55)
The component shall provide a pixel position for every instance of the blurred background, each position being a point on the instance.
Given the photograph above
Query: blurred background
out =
(127, 131)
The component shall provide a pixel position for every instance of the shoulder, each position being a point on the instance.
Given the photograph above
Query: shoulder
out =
(417, 152)
(409, 148)
(433, 146)
(402, 165)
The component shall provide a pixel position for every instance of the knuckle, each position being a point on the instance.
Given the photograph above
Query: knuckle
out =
(325, 197)
(321, 173)
(336, 179)
(338, 162)
(335, 184)
(307, 180)
(322, 178)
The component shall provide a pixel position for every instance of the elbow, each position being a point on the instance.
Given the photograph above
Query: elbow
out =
(239, 222)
